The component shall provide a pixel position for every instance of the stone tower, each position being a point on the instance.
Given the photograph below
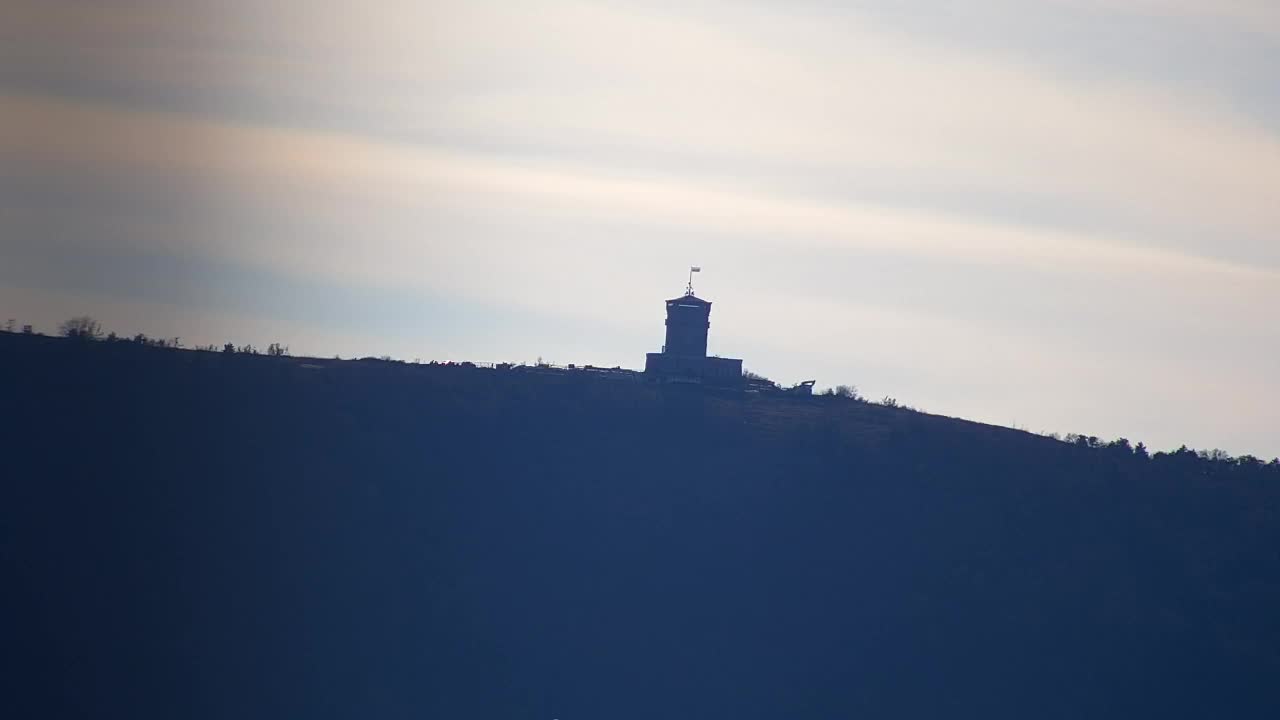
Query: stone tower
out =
(684, 356)
(688, 321)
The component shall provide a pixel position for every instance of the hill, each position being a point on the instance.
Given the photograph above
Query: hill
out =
(199, 534)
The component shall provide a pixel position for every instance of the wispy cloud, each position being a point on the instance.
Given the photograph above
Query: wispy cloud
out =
(290, 168)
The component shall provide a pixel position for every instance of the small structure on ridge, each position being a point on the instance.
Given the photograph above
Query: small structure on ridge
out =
(684, 356)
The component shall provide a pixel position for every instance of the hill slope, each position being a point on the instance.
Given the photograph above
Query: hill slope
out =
(193, 534)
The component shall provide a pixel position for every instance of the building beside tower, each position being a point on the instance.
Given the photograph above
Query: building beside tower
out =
(684, 356)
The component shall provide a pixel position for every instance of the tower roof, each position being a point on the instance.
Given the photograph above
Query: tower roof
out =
(689, 299)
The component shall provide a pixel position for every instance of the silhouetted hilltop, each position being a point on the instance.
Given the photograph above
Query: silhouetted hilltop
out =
(206, 534)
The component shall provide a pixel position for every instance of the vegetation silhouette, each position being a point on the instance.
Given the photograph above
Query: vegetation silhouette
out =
(227, 533)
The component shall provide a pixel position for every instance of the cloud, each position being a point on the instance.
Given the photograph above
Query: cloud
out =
(1252, 16)
(831, 101)
(293, 168)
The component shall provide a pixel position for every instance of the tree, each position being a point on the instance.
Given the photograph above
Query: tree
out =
(229, 349)
(847, 391)
(82, 327)
(1216, 455)
(1084, 441)
(277, 350)
(1120, 446)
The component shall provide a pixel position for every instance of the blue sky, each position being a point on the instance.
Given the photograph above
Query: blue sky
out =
(1060, 215)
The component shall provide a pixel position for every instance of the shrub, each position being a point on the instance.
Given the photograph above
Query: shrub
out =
(82, 327)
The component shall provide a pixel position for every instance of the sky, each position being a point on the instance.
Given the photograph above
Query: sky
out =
(1059, 216)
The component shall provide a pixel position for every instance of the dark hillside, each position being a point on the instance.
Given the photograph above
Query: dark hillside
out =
(196, 534)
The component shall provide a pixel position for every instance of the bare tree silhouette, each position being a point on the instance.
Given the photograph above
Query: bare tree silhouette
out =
(81, 327)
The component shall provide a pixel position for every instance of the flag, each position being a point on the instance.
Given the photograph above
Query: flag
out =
(695, 268)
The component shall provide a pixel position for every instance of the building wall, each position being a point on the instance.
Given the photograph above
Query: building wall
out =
(687, 327)
(711, 370)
